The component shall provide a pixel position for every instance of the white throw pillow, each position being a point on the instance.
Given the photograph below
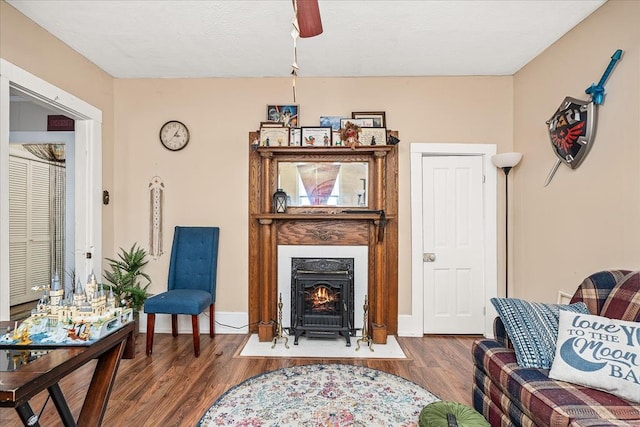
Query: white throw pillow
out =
(598, 352)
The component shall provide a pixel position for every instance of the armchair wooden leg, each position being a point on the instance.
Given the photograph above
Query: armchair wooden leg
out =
(212, 320)
(196, 334)
(151, 323)
(174, 325)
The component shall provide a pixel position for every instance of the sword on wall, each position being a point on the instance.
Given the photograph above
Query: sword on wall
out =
(597, 93)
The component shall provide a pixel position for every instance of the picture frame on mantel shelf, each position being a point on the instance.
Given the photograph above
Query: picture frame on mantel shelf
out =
(373, 136)
(336, 139)
(332, 121)
(367, 123)
(270, 124)
(316, 136)
(295, 137)
(379, 119)
(288, 115)
(274, 136)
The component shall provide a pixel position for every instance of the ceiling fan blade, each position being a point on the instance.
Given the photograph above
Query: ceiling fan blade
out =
(309, 18)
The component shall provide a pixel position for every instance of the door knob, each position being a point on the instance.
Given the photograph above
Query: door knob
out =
(429, 257)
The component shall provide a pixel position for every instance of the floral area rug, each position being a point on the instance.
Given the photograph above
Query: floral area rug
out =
(320, 395)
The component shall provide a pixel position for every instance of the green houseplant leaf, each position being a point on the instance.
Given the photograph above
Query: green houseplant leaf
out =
(127, 280)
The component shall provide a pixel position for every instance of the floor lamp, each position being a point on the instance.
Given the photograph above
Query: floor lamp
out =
(506, 161)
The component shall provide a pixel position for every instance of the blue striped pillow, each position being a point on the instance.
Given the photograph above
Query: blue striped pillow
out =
(533, 328)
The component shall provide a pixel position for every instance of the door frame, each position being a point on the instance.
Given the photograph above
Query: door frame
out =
(88, 172)
(418, 151)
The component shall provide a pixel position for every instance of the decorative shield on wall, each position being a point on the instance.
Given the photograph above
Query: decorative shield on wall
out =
(572, 130)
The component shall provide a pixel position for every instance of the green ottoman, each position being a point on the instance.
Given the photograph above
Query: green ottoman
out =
(450, 414)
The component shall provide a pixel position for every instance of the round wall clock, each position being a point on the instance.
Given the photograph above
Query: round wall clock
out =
(174, 135)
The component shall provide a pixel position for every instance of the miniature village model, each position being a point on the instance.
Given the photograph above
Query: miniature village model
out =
(77, 317)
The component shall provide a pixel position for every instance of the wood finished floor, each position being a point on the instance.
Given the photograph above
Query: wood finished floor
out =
(173, 388)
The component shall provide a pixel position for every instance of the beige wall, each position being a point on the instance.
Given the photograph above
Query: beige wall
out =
(33, 49)
(206, 183)
(589, 218)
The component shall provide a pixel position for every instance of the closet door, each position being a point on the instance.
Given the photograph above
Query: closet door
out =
(29, 237)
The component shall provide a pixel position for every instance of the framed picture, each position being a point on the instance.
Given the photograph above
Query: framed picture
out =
(363, 123)
(331, 121)
(271, 124)
(316, 136)
(288, 115)
(336, 139)
(295, 137)
(274, 136)
(377, 116)
(373, 136)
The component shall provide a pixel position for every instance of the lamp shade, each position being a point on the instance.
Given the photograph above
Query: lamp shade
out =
(506, 160)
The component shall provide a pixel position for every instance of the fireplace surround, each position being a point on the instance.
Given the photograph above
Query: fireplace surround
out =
(373, 226)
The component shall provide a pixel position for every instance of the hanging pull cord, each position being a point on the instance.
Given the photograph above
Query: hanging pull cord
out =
(295, 32)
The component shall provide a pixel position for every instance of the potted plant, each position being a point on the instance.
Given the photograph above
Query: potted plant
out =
(127, 280)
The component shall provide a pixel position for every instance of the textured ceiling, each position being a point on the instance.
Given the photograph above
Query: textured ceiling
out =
(205, 38)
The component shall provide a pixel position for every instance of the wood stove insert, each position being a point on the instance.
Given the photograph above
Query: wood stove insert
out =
(322, 297)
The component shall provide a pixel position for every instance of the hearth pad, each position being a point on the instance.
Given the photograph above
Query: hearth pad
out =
(322, 349)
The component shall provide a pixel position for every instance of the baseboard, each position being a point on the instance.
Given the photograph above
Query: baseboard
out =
(407, 326)
(237, 323)
(564, 297)
(226, 323)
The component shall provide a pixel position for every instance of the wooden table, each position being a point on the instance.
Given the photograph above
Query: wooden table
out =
(18, 387)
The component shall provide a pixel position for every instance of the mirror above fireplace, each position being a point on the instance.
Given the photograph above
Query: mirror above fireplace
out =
(342, 184)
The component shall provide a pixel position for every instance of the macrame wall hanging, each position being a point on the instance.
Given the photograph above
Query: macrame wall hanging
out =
(156, 199)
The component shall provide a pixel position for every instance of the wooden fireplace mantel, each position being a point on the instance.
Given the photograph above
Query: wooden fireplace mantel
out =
(326, 225)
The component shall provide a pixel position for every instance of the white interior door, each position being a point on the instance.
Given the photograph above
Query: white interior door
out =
(453, 244)
(29, 232)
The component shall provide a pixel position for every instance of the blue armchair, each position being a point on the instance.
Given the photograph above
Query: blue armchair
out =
(192, 282)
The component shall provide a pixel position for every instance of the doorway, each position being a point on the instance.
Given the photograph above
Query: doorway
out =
(454, 245)
(87, 178)
(41, 202)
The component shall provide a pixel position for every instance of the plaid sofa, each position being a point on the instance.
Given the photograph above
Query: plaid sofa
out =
(509, 395)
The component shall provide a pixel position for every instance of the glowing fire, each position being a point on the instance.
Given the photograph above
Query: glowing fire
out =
(322, 299)
(323, 296)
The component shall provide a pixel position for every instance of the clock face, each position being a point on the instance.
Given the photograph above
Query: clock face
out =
(174, 135)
